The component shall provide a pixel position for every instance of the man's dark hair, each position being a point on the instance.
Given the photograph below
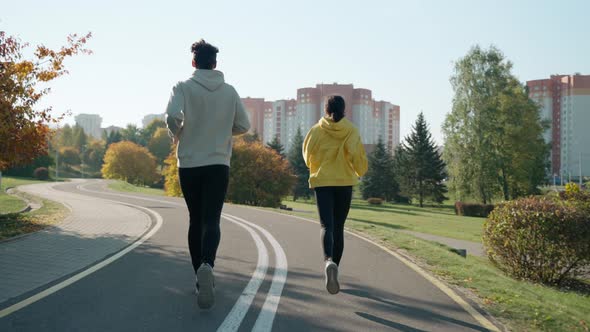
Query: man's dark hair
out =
(204, 54)
(335, 108)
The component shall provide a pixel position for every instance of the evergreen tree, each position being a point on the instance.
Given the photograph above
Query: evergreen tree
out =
(79, 138)
(276, 145)
(148, 132)
(295, 157)
(113, 137)
(421, 170)
(379, 180)
(66, 137)
(132, 134)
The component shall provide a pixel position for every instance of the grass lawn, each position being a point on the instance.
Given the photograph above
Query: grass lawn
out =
(523, 306)
(432, 220)
(9, 203)
(13, 224)
(126, 187)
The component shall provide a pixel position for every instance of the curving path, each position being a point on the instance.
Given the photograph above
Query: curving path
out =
(269, 277)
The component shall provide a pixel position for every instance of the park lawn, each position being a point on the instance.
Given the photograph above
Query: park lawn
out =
(119, 185)
(440, 221)
(521, 305)
(15, 224)
(9, 203)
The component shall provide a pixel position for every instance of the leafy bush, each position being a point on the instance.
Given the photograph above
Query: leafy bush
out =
(172, 183)
(571, 188)
(539, 239)
(41, 173)
(375, 201)
(259, 175)
(473, 209)
(129, 162)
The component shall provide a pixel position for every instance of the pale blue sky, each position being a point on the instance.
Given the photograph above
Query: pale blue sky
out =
(402, 50)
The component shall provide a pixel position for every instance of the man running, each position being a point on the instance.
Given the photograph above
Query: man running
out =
(202, 115)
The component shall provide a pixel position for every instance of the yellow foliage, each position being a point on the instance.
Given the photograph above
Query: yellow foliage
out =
(172, 184)
(129, 162)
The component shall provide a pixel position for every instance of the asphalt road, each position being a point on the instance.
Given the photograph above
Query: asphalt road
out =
(268, 275)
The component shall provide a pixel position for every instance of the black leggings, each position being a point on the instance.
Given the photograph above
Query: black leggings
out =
(333, 205)
(204, 190)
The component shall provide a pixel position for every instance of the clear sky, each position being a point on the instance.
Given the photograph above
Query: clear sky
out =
(402, 50)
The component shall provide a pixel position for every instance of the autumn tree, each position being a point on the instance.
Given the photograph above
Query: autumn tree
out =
(159, 145)
(70, 156)
(172, 182)
(93, 155)
(129, 162)
(80, 139)
(24, 128)
(259, 176)
(148, 132)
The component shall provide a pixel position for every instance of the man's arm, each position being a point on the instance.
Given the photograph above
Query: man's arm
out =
(241, 122)
(174, 112)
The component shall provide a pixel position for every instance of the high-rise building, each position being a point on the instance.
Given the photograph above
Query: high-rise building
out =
(90, 123)
(565, 104)
(151, 117)
(282, 118)
(255, 109)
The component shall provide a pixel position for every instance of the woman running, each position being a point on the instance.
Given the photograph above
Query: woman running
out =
(336, 158)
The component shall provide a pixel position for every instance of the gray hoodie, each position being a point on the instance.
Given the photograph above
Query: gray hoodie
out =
(204, 112)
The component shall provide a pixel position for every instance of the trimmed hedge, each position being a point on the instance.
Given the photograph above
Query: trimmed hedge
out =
(41, 173)
(375, 201)
(541, 239)
(473, 209)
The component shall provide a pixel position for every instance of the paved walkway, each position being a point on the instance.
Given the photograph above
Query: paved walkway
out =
(473, 248)
(35, 260)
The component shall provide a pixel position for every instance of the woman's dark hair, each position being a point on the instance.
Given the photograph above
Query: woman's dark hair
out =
(204, 54)
(335, 108)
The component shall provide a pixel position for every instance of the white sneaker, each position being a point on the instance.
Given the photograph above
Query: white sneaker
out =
(332, 277)
(206, 294)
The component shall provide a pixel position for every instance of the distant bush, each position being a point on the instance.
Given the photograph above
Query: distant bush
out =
(41, 173)
(259, 176)
(172, 182)
(129, 162)
(539, 239)
(473, 209)
(375, 201)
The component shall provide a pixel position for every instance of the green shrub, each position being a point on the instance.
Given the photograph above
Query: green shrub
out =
(375, 201)
(539, 239)
(473, 209)
(41, 173)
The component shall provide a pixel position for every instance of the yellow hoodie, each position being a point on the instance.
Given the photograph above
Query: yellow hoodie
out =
(334, 154)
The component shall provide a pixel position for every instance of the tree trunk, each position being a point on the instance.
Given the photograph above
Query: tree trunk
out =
(0, 179)
(505, 184)
(421, 193)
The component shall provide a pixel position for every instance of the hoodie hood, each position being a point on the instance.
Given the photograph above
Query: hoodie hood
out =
(340, 129)
(210, 79)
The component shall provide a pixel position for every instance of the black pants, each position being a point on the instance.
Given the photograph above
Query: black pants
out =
(333, 206)
(204, 190)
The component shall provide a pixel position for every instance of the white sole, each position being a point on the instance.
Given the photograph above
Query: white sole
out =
(206, 294)
(332, 278)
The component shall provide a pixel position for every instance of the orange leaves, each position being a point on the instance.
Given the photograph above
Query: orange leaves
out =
(23, 129)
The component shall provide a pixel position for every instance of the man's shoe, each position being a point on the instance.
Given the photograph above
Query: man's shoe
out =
(332, 277)
(206, 286)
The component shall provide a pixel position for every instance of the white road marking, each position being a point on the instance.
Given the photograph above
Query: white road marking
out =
(90, 270)
(266, 317)
(234, 319)
(269, 309)
(437, 283)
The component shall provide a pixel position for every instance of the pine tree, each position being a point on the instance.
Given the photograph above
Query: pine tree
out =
(379, 180)
(299, 167)
(276, 145)
(421, 170)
